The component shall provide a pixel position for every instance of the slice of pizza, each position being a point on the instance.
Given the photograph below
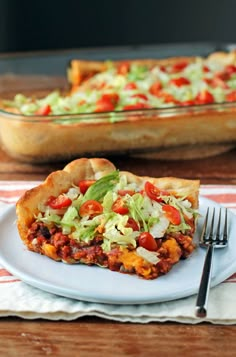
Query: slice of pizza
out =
(94, 214)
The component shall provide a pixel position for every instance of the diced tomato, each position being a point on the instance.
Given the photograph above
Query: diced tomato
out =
(140, 95)
(172, 214)
(131, 223)
(147, 241)
(153, 192)
(46, 110)
(204, 97)
(85, 184)
(126, 192)
(61, 201)
(104, 106)
(155, 88)
(123, 68)
(130, 86)
(179, 82)
(119, 206)
(90, 208)
(231, 97)
(178, 67)
(136, 106)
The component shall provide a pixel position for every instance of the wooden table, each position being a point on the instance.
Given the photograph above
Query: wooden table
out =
(96, 337)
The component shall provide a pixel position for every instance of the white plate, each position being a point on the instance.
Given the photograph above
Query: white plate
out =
(101, 285)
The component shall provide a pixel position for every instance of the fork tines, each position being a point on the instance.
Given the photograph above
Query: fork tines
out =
(217, 236)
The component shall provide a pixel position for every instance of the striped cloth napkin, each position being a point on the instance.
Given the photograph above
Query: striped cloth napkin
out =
(20, 299)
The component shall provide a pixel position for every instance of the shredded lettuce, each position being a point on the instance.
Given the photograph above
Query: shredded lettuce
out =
(84, 233)
(49, 217)
(182, 227)
(108, 201)
(68, 220)
(117, 232)
(135, 204)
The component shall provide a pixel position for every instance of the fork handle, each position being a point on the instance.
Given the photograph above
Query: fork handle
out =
(202, 298)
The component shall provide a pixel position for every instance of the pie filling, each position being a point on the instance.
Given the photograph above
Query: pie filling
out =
(116, 224)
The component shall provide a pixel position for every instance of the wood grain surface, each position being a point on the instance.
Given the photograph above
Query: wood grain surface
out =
(95, 337)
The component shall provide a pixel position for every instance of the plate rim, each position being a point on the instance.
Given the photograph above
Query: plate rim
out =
(50, 287)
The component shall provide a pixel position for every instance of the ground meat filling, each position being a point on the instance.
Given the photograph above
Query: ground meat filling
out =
(66, 249)
(171, 249)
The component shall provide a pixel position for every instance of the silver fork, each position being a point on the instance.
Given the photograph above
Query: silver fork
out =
(210, 239)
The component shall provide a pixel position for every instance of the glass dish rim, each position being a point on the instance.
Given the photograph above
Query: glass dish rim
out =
(161, 112)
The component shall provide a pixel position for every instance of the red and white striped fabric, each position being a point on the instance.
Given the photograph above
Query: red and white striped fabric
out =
(20, 299)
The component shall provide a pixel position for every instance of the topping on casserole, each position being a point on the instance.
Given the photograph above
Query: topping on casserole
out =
(138, 84)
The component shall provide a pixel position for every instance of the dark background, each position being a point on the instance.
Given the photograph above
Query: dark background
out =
(42, 25)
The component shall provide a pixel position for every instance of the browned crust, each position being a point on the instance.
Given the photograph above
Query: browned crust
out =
(60, 181)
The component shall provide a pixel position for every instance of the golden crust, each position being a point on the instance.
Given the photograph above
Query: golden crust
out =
(213, 129)
(60, 181)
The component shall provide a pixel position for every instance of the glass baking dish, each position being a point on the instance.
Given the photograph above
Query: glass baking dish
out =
(40, 139)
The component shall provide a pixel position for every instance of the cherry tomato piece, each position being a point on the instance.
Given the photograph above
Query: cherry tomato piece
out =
(230, 69)
(140, 95)
(136, 106)
(123, 68)
(178, 67)
(119, 206)
(231, 97)
(130, 86)
(155, 88)
(90, 208)
(204, 97)
(131, 223)
(172, 214)
(61, 201)
(187, 102)
(104, 106)
(179, 82)
(46, 110)
(85, 184)
(111, 97)
(206, 69)
(147, 241)
(163, 68)
(168, 98)
(153, 192)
